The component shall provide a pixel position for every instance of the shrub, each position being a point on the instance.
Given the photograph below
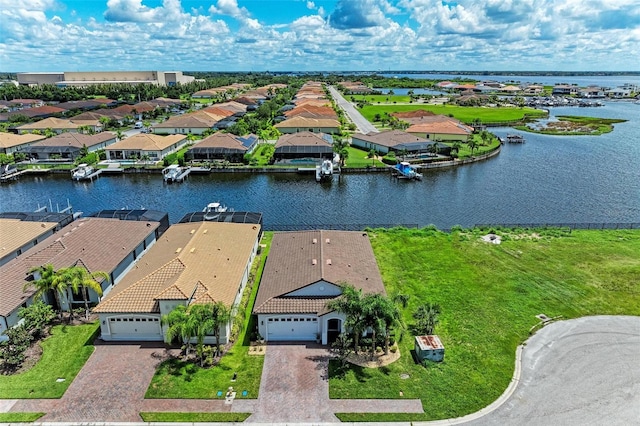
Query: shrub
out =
(36, 317)
(12, 351)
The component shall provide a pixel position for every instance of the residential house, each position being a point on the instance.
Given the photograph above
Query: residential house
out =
(21, 231)
(11, 142)
(565, 89)
(441, 130)
(192, 263)
(195, 123)
(69, 145)
(305, 271)
(60, 125)
(311, 111)
(222, 146)
(390, 140)
(307, 145)
(145, 146)
(108, 245)
(618, 93)
(305, 124)
(19, 104)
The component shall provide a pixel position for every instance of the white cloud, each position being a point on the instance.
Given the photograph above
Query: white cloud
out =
(311, 5)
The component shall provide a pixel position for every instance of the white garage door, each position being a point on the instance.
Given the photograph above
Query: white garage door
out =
(292, 328)
(135, 328)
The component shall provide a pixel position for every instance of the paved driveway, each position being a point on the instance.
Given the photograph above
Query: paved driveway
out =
(110, 387)
(584, 371)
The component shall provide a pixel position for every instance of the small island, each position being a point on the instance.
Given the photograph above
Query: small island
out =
(572, 125)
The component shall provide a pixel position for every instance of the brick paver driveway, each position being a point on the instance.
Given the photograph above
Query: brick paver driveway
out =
(110, 387)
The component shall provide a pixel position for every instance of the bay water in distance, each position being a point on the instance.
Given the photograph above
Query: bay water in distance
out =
(549, 179)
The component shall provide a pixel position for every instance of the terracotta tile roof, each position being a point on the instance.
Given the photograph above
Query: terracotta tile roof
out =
(15, 233)
(221, 140)
(100, 244)
(9, 140)
(77, 140)
(445, 128)
(52, 123)
(218, 111)
(389, 138)
(308, 122)
(125, 109)
(298, 259)
(301, 139)
(41, 111)
(195, 120)
(147, 142)
(312, 111)
(204, 261)
(293, 305)
(234, 106)
(316, 102)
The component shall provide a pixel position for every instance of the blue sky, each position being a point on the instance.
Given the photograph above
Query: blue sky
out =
(307, 35)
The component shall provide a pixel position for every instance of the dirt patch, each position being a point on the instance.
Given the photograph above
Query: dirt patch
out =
(379, 360)
(257, 348)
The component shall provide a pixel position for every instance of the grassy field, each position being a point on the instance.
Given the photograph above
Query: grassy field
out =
(177, 379)
(358, 159)
(193, 417)
(464, 114)
(19, 417)
(489, 295)
(64, 354)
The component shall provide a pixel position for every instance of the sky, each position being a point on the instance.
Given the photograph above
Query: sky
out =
(319, 35)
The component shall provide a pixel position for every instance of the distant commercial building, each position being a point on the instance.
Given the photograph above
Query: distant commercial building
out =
(86, 78)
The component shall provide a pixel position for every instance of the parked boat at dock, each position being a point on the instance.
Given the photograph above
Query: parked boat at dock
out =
(213, 210)
(324, 171)
(83, 171)
(175, 173)
(406, 170)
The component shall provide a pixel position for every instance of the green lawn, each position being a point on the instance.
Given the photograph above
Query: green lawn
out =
(64, 354)
(464, 114)
(489, 295)
(571, 125)
(177, 379)
(19, 417)
(193, 417)
(358, 159)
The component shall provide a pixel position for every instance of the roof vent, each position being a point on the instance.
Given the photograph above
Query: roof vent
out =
(328, 241)
(193, 231)
(328, 261)
(193, 250)
(314, 262)
(179, 249)
(315, 241)
(205, 231)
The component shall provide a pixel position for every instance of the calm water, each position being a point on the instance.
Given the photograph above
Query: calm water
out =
(549, 179)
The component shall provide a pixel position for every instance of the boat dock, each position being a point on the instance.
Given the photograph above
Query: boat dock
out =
(515, 139)
(404, 170)
(15, 174)
(175, 173)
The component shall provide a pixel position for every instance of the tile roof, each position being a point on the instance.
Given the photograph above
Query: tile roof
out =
(77, 140)
(389, 138)
(15, 233)
(41, 111)
(194, 120)
(308, 122)
(205, 261)
(9, 140)
(298, 259)
(147, 142)
(444, 127)
(312, 111)
(100, 244)
(221, 140)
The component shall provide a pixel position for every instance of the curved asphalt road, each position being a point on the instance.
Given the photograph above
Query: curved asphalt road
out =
(363, 125)
(584, 371)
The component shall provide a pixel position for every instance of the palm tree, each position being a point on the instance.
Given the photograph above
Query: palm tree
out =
(202, 321)
(427, 317)
(471, 141)
(179, 325)
(372, 155)
(341, 147)
(104, 120)
(351, 304)
(47, 280)
(390, 317)
(80, 280)
(220, 314)
(455, 148)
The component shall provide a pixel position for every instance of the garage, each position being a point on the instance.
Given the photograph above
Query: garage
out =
(134, 328)
(298, 328)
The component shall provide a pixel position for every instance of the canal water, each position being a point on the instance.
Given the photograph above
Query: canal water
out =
(549, 179)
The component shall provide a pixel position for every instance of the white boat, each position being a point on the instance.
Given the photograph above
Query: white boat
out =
(83, 171)
(171, 173)
(213, 210)
(324, 171)
(406, 170)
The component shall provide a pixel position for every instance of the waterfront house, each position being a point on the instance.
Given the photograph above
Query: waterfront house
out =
(97, 244)
(307, 145)
(69, 145)
(222, 146)
(390, 140)
(565, 89)
(441, 131)
(305, 124)
(10, 142)
(20, 231)
(192, 263)
(304, 271)
(145, 145)
(618, 93)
